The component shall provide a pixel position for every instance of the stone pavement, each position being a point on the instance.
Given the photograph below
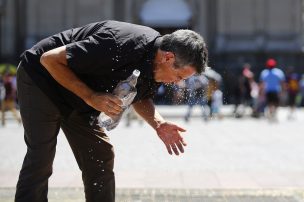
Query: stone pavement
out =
(225, 160)
(173, 195)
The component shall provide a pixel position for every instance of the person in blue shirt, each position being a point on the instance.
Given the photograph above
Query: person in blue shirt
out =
(196, 86)
(272, 80)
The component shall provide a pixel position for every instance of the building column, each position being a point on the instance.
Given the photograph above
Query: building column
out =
(211, 22)
(2, 10)
(119, 10)
(20, 26)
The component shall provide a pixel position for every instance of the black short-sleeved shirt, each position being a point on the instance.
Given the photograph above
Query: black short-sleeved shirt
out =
(101, 54)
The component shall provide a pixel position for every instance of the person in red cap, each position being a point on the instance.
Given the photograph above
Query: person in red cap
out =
(271, 63)
(272, 80)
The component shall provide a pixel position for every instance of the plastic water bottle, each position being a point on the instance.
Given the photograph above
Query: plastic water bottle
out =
(126, 91)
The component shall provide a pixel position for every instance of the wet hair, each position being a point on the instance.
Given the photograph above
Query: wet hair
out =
(189, 48)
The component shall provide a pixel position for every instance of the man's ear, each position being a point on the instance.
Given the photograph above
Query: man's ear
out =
(169, 56)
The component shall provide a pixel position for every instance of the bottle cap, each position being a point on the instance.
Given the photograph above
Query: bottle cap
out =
(136, 72)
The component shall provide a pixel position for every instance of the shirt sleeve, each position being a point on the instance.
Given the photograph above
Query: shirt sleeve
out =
(101, 50)
(95, 51)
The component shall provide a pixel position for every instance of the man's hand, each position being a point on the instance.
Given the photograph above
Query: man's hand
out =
(106, 102)
(169, 133)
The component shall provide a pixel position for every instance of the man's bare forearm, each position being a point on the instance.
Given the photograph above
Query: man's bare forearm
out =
(146, 109)
(56, 64)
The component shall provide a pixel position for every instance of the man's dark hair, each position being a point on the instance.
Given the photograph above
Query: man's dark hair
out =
(189, 48)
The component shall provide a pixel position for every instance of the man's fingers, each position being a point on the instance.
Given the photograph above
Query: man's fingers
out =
(174, 149)
(184, 143)
(181, 129)
(111, 114)
(180, 147)
(116, 100)
(112, 107)
(169, 149)
(112, 111)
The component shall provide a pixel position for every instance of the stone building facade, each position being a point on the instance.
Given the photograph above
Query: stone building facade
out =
(236, 31)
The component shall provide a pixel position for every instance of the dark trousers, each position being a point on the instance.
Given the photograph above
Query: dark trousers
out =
(42, 121)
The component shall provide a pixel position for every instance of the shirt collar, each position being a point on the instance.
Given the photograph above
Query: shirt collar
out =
(151, 57)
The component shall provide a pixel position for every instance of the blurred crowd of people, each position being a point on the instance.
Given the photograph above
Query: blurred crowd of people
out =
(261, 93)
(203, 90)
(8, 92)
(273, 87)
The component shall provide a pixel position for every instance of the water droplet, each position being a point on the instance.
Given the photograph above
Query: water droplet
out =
(112, 70)
(95, 183)
(92, 119)
(102, 170)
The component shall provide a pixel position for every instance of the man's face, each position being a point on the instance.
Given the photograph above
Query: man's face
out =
(166, 72)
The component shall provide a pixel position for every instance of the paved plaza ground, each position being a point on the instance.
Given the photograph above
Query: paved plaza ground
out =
(225, 160)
